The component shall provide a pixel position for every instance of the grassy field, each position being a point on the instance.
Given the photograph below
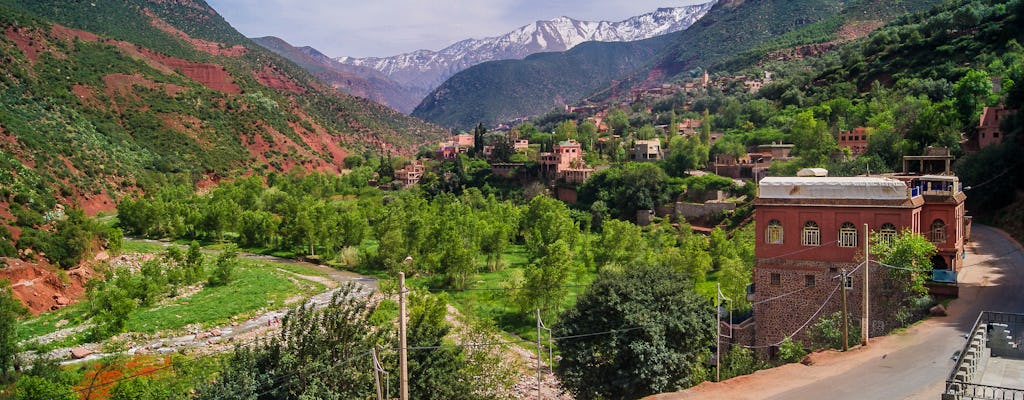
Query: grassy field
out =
(486, 299)
(257, 286)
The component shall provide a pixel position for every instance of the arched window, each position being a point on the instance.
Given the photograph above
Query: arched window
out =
(811, 234)
(848, 235)
(888, 233)
(774, 233)
(937, 234)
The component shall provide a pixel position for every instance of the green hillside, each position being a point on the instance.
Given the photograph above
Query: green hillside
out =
(501, 91)
(103, 99)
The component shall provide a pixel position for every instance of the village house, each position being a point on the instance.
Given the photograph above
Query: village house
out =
(753, 166)
(855, 140)
(810, 229)
(989, 133)
(410, 174)
(646, 150)
(521, 145)
(689, 126)
(458, 144)
(565, 162)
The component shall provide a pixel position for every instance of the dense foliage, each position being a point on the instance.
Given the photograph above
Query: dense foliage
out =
(92, 119)
(656, 335)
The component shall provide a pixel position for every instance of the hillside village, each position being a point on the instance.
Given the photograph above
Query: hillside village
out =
(190, 215)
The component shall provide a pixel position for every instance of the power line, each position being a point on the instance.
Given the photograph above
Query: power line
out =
(805, 323)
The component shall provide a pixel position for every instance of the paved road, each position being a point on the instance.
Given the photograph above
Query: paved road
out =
(910, 365)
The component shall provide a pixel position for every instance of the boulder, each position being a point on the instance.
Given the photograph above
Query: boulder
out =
(937, 311)
(79, 353)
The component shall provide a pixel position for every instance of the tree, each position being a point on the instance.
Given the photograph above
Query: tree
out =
(811, 138)
(478, 138)
(972, 92)
(658, 335)
(566, 130)
(11, 310)
(318, 354)
(545, 279)
(909, 260)
(194, 261)
(109, 305)
(685, 153)
(224, 268)
(545, 222)
(439, 372)
(618, 121)
(587, 133)
(621, 243)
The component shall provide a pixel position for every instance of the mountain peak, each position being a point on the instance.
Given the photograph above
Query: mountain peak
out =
(428, 69)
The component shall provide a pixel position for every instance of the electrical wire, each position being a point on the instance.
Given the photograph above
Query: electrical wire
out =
(829, 298)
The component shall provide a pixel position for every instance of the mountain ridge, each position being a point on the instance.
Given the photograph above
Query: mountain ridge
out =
(428, 69)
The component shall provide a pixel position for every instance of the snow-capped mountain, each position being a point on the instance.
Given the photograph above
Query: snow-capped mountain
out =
(428, 69)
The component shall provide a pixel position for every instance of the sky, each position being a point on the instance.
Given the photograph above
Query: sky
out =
(381, 28)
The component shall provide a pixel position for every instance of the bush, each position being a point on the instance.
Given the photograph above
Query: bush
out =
(828, 331)
(791, 351)
(224, 268)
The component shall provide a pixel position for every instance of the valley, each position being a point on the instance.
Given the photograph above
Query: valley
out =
(661, 206)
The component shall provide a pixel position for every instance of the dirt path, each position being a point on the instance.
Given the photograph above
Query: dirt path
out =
(909, 365)
(225, 337)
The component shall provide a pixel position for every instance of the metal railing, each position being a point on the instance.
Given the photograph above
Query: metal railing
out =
(962, 380)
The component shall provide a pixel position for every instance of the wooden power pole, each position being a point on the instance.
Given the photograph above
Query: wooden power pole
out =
(403, 359)
(846, 319)
(865, 329)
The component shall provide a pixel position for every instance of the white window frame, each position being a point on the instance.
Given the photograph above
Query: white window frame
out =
(811, 234)
(774, 233)
(848, 235)
(887, 233)
(937, 233)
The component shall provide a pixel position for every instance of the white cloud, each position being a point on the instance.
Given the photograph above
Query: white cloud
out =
(389, 27)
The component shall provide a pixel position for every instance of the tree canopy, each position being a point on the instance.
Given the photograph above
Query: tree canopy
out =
(658, 331)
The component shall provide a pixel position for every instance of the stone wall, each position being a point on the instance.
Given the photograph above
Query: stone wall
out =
(697, 210)
(794, 304)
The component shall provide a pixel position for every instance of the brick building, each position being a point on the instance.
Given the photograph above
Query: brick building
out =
(855, 140)
(988, 127)
(410, 174)
(646, 150)
(565, 162)
(809, 229)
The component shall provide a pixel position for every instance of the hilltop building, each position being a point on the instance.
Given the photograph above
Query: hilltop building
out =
(811, 228)
(565, 162)
(855, 140)
(410, 174)
(647, 150)
(989, 133)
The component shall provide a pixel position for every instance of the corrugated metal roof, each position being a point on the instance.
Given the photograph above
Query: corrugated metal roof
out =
(838, 188)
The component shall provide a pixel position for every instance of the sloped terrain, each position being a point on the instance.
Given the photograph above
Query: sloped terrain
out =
(106, 99)
(352, 79)
(501, 91)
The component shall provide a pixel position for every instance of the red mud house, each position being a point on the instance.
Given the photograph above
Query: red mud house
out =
(809, 229)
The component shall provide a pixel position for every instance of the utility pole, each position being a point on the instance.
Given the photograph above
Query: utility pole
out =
(865, 329)
(718, 332)
(846, 324)
(403, 359)
(538, 355)
(376, 374)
